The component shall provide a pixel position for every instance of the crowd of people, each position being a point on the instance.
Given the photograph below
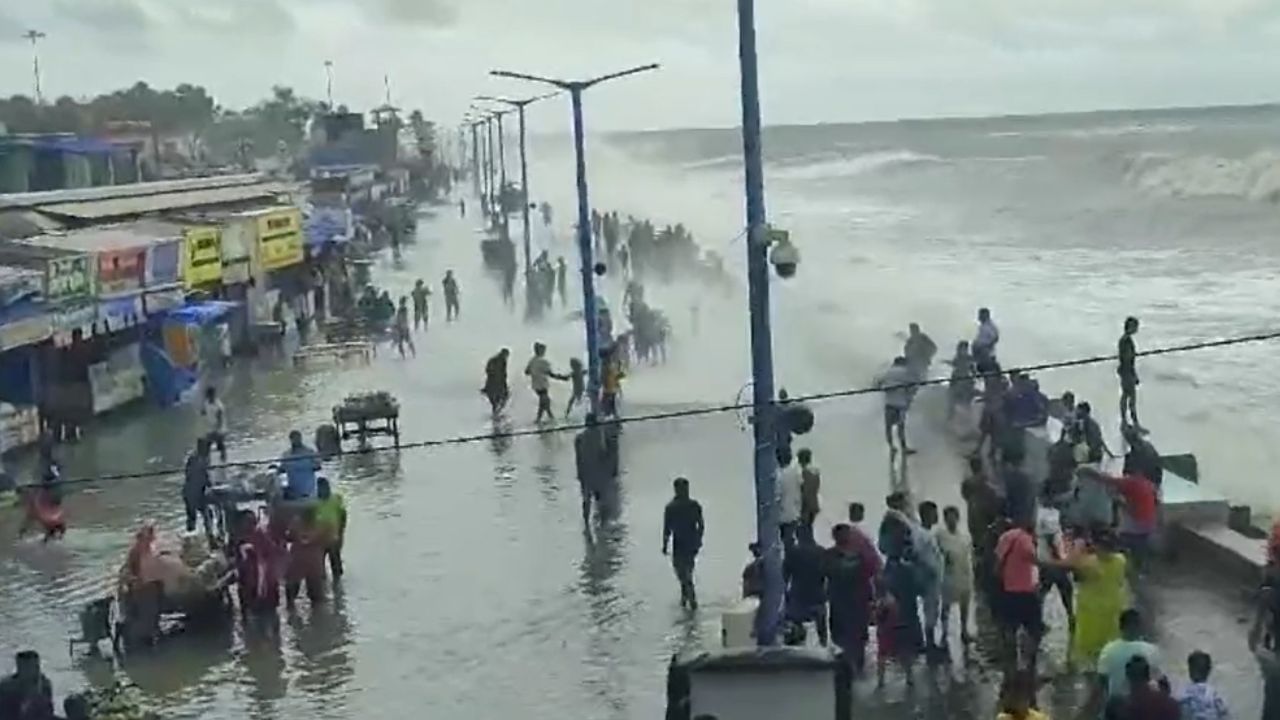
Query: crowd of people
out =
(1080, 537)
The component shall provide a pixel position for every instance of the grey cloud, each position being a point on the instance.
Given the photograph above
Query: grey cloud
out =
(436, 13)
(118, 17)
(10, 29)
(233, 17)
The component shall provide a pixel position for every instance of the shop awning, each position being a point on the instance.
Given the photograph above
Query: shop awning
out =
(201, 313)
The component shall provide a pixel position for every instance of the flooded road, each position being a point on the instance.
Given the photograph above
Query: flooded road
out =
(472, 587)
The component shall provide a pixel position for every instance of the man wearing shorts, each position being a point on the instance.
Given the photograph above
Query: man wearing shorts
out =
(1128, 372)
(897, 383)
(215, 417)
(1018, 604)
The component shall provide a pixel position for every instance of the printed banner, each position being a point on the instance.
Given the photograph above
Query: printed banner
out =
(202, 256)
(68, 278)
(27, 331)
(164, 263)
(121, 271)
(280, 239)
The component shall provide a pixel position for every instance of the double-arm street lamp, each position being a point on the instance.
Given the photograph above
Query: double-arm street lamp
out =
(520, 105)
(575, 88)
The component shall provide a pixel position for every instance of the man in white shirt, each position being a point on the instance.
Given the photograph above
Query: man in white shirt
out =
(984, 343)
(215, 418)
(539, 371)
(1050, 552)
(957, 579)
(790, 494)
(898, 383)
(929, 553)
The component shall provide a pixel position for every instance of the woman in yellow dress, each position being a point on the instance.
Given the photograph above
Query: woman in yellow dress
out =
(1102, 593)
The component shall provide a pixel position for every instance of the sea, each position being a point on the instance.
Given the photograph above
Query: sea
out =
(1063, 225)
(473, 587)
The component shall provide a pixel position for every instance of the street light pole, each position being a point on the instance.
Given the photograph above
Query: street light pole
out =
(502, 176)
(590, 317)
(475, 156)
(35, 36)
(328, 88)
(492, 167)
(765, 461)
(520, 105)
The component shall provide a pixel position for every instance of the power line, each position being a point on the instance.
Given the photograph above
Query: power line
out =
(709, 409)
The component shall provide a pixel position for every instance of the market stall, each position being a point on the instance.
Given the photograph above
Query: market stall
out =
(60, 378)
(183, 345)
(24, 324)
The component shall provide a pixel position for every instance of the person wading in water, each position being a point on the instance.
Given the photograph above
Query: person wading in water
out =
(452, 309)
(495, 381)
(421, 293)
(539, 371)
(682, 529)
(898, 384)
(404, 338)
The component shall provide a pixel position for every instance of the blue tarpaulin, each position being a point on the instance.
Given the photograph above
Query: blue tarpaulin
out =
(201, 313)
(325, 225)
(77, 145)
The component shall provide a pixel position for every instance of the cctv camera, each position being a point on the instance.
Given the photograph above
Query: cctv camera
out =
(785, 258)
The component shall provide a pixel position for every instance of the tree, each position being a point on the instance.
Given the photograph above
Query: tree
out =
(187, 111)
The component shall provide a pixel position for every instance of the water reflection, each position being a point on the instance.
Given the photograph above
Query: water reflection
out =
(180, 662)
(263, 663)
(608, 610)
(500, 442)
(322, 640)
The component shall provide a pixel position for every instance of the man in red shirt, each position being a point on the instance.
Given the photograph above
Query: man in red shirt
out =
(1138, 522)
(1018, 607)
(861, 543)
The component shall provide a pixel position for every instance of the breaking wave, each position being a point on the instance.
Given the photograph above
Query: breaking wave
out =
(1253, 177)
(1098, 131)
(845, 166)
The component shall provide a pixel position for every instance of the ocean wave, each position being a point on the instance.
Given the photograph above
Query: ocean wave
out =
(1098, 131)
(845, 166)
(722, 162)
(1252, 177)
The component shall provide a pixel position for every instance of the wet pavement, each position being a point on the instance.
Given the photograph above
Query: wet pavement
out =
(472, 586)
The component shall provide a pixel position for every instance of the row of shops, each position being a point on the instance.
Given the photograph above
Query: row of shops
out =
(98, 318)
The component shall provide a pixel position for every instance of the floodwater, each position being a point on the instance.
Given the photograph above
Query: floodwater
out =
(472, 587)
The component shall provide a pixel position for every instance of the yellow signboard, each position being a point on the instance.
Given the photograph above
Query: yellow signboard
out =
(280, 239)
(201, 256)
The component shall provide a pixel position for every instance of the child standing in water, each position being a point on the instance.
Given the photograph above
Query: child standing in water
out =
(577, 378)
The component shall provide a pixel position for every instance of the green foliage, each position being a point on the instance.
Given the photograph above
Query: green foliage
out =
(278, 122)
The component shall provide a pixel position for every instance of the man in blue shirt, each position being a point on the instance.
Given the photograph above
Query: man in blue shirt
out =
(300, 464)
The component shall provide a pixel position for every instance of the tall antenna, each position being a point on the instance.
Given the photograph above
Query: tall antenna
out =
(35, 36)
(328, 71)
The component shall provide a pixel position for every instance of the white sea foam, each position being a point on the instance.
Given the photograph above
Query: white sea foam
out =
(1095, 132)
(1251, 177)
(845, 166)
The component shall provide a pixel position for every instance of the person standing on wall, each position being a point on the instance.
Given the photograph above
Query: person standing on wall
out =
(1128, 372)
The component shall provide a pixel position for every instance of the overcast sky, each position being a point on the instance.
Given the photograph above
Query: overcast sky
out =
(821, 60)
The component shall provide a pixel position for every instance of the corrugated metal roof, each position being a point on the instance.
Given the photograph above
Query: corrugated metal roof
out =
(25, 223)
(109, 237)
(111, 192)
(142, 205)
(25, 254)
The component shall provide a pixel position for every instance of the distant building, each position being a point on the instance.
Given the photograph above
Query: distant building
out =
(63, 161)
